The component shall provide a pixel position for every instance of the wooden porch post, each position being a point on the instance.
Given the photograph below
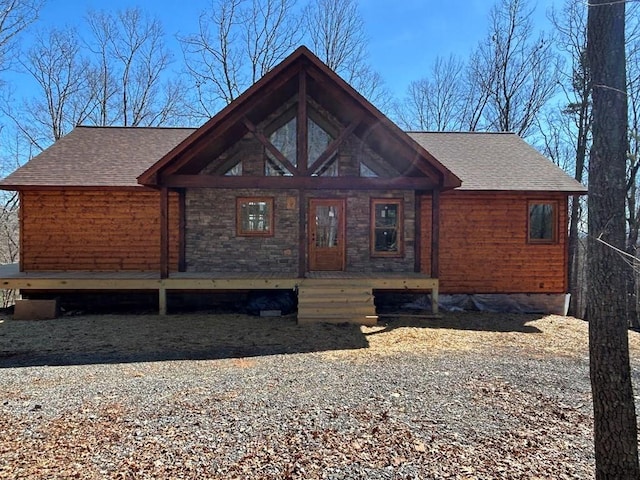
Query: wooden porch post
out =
(417, 238)
(302, 163)
(164, 232)
(302, 234)
(435, 234)
(182, 239)
(435, 247)
(301, 119)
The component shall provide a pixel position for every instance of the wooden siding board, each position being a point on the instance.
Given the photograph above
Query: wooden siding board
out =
(99, 230)
(483, 244)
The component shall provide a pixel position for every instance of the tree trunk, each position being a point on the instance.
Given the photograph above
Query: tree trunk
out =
(574, 265)
(615, 435)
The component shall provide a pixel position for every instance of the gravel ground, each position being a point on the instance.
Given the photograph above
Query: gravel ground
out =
(470, 403)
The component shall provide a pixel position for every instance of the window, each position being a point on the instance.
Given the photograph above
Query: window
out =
(254, 217)
(234, 171)
(386, 227)
(542, 222)
(284, 139)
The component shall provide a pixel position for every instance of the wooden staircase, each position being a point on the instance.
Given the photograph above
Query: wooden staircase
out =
(336, 301)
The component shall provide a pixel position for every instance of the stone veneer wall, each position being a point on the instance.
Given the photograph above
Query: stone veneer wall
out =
(211, 241)
(358, 233)
(212, 245)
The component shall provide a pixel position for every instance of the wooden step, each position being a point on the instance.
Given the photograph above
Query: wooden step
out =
(337, 309)
(369, 320)
(336, 301)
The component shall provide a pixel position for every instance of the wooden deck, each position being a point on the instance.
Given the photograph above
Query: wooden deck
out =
(331, 284)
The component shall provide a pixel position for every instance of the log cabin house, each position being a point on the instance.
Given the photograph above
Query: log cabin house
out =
(300, 184)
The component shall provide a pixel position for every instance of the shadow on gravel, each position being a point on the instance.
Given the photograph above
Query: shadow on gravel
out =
(94, 339)
(480, 322)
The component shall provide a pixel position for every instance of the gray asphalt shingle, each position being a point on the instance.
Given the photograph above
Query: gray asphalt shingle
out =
(116, 156)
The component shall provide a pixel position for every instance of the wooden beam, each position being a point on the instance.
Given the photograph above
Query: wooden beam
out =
(302, 234)
(332, 148)
(302, 137)
(182, 233)
(435, 233)
(223, 121)
(164, 232)
(270, 146)
(307, 182)
(21, 213)
(417, 237)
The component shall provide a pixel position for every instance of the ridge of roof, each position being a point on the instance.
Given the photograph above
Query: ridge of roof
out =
(464, 132)
(131, 127)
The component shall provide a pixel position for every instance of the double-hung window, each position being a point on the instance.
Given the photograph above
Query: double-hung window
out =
(543, 222)
(386, 227)
(254, 216)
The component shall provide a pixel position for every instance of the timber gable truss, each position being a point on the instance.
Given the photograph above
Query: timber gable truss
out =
(314, 132)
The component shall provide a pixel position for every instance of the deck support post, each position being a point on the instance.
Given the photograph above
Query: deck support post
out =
(434, 299)
(162, 300)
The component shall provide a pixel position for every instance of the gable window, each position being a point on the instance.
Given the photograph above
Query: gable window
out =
(543, 221)
(254, 217)
(386, 227)
(366, 171)
(234, 171)
(284, 137)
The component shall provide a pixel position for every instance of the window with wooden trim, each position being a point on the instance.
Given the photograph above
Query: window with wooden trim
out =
(254, 216)
(543, 222)
(386, 227)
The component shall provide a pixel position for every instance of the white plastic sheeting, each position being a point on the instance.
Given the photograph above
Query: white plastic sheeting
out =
(496, 302)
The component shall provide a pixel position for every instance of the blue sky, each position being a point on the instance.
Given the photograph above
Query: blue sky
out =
(404, 35)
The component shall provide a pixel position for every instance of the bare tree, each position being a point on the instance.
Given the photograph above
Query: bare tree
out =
(15, 16)
(130, 78)
(64, 98)
(615, 431)
(337, 35)
(570, 23)
(633, 163)
(515, 69)
(272, 31)
(436, 102)
(15, 149)
(237, 42)
(102, 29)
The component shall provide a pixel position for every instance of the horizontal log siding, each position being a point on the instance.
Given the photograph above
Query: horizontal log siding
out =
(95, 230)
(483, 245)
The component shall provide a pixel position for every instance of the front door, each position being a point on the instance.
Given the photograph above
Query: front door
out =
(326, 234)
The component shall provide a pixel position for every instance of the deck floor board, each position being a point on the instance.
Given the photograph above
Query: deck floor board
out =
(12, 278)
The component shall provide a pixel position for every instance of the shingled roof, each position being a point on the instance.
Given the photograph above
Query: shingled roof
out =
(97, 157)
(116, 156)
(496, 161)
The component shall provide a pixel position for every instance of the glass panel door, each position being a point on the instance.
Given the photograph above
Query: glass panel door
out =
(326, 234)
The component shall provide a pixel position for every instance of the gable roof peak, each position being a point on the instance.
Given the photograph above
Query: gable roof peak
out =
(304, 75)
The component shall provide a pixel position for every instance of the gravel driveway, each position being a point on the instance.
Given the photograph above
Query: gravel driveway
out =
(467, 397)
